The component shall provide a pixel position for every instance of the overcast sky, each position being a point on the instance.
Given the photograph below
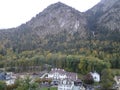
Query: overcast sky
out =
(15, 12)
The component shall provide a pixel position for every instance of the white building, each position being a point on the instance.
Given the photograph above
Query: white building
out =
(68, 84)
(59, 74)
(65, 84)
(10, 78)
(65, 80)
(95, 76)
(117, 79)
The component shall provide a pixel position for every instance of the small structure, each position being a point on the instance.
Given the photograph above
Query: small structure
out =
(117, 80)
(78, 85)
(95, 76)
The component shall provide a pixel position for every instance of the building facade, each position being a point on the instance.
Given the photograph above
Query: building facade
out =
(68, 84)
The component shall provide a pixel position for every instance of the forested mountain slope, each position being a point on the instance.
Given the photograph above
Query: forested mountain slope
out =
(61, 30)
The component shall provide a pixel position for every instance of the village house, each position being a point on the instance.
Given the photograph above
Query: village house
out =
(96, 76)
(117, 80)
(8, 77)
(59, 74)
(68, 84)
(65, 80)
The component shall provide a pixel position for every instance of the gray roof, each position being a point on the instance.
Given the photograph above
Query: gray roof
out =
(2, 76)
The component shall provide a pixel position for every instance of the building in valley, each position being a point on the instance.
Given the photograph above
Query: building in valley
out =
(117, 80)
(59, 74)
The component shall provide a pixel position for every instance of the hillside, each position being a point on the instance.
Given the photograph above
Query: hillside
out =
(56, 18)
(62, 30)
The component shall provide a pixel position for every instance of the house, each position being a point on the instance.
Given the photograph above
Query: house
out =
(68, 84)
(95, 76)
(2, 75)
(7, 77)
(57, 74)
(61, 74)
(10, 78)
(117, 80)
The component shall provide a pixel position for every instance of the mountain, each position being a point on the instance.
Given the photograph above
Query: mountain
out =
(54, 19)
(57, 18)
(63, 37)
(106, 14)
(61, 28)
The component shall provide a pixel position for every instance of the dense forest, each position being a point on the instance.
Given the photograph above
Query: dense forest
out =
(69, 52)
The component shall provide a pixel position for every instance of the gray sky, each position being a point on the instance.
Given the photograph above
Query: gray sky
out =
(15, 12)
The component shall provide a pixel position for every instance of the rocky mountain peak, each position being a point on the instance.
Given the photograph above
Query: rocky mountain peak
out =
(56, 6)
(56, 18)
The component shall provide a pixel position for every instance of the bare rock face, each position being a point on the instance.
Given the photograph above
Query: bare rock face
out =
(57, 18)
(111, 19)
(105, 14)
(105, 5)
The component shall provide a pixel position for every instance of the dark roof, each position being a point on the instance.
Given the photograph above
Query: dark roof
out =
(78, 82)
(2, 76)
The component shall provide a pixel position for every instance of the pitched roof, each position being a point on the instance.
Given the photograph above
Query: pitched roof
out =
(70, 75)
